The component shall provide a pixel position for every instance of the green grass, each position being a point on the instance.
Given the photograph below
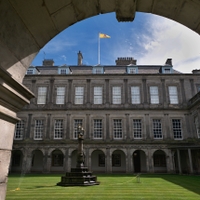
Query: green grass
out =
(113, 187)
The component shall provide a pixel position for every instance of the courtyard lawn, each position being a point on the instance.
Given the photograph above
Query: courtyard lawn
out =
(151, 187)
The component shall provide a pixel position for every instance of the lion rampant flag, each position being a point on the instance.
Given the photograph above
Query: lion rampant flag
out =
(102, 35)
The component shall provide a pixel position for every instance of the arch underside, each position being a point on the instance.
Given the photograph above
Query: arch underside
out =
(27, 27)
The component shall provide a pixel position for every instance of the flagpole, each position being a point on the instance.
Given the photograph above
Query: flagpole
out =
(98, 50)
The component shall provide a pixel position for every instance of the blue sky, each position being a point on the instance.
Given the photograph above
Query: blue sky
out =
(150, 39)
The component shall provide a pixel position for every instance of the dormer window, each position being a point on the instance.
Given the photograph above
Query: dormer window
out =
(98, 70)
(31, 70)
(63, 70)
(132, 70)
(166, 70)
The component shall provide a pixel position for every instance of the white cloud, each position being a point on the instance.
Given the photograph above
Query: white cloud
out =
(57, 45)
(63, 57)
(170, 40)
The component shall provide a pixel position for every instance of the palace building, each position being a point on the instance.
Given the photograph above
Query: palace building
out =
(136, 118)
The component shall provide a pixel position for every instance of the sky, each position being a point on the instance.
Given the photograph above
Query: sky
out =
(150, 39)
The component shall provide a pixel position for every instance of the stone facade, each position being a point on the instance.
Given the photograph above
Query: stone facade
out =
(133, 122)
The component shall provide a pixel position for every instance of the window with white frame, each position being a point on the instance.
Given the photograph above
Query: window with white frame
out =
(135, 95)
(157, 129)
(197, 126)
(58, 129)
(42, 93)
(173, 95)
(77, 122)
(63, 71)
(97, 128)
(97, 95)
(30, 71)
(132, 71)
(38, 129)
(60, 97)
(117, 128)
(154, 97)
(177, 130)
(137, 128)
(116, 94)
(19, 130)
(79, 95)
(167, 71)
(98, 70)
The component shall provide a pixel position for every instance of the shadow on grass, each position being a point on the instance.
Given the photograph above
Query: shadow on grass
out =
(189, 182)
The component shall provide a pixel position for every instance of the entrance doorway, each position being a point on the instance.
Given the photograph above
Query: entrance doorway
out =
(136, 161)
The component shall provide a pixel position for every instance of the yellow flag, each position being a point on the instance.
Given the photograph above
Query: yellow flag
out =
(102, 35)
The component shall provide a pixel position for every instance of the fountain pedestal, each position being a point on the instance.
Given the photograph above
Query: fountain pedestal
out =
(79, 176)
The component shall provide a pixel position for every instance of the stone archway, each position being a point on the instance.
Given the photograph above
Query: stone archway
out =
(37, 161)
(118, 161)
(16, 161)
(139, 161)
(98, 161)
(160, 162)
(27, 27)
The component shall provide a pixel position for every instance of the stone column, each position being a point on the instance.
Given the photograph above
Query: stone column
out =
(69, 92)
(68, 136)
(33, 89)
(125, 98)
(144, 90)
(27, 135)
(107, 127)
(69, 163)
(192, 86)
(66, 161)
(89, 160)
(163, 96)
(127, 128)
(187, 127)
(151, 163)
(146, 122)
(190, 161)
(48, 131)
(170, 167)
(183, 91)
(14, 96)
(129, 160)
(45, 157)
(88, 101)
(166, 127)
(179, 161)
(51, 95)
(87, 128)
(108, 161)
(48, 165)
(107, 92)
(147, 161)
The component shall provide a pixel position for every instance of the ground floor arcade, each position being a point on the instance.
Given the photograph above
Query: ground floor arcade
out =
(107, 159)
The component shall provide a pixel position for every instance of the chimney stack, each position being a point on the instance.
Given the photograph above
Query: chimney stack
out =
(80, 58)
(168, 61)
(126, 61)
(48, 62)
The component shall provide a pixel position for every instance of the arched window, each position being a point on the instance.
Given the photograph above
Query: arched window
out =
(57, 158)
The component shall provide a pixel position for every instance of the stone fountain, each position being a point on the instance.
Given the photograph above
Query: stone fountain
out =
(79, 176)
